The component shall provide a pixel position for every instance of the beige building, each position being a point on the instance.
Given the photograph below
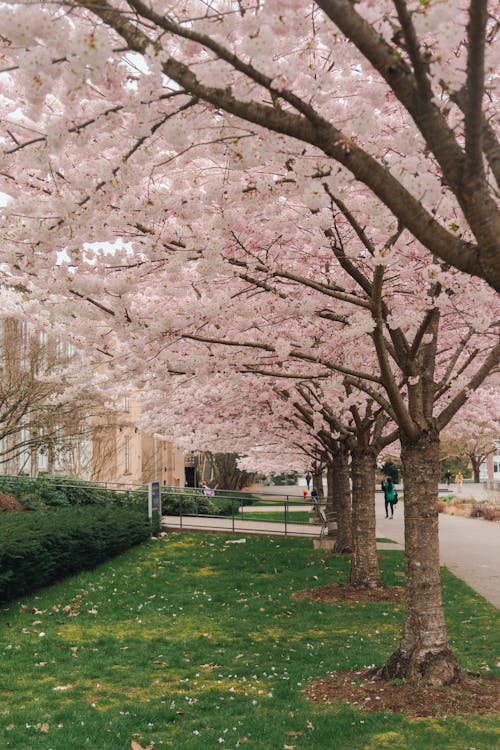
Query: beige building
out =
(122, 453)
(77, 438)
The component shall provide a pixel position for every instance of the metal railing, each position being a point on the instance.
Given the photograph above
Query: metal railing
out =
(234, 511)
(187, 507)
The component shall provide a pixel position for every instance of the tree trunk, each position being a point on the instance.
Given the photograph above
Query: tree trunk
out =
(476, 462)
(317, 482)
(423, 655)
(330, 508)
(364, 563)
(340, 492)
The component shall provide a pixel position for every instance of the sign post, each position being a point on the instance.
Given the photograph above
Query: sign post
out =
(154, 505)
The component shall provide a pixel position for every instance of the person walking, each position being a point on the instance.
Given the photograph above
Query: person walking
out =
(390, 496)
(314, 497)
(459, 480)
(447, 477)
(308, 480)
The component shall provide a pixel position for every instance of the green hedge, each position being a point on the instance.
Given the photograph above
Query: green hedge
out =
(195, 503)
(51, 492)
(40, 548)
(173, 503)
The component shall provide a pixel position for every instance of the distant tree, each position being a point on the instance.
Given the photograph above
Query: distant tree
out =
(474, 434)
(286, 477)
(455, 465)
(40, 424)
(223, 471)
(393, 470)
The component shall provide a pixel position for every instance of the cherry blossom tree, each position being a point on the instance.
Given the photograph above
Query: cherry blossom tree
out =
(474, 434)
(413, 337)
(123, 76)
(317, 259)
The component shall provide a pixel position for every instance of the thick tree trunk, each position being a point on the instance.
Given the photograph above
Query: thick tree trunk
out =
(364, 563)
(340, 492)
(330, 508)
(423, 655)
(317, 483)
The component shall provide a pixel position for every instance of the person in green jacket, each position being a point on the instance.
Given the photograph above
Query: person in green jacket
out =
(389, 496)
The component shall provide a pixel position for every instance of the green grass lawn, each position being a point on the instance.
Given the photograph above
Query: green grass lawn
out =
(194, 642)
(280, 500)
(297, 516)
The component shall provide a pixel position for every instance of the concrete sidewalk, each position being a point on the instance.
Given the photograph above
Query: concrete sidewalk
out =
(469, 547)
(241, 525)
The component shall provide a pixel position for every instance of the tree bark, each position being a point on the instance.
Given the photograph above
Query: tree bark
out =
(476, 462)
(340, 493)
(364, 563)
(423, 655)
(317, 482)
(331, 507)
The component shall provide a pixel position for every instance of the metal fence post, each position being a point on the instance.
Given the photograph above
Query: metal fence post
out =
(286, 516)
(180, 512)
(232, 510)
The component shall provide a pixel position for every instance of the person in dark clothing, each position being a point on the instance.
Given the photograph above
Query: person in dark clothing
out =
(447, 477)
(389, 496)
(308, 480)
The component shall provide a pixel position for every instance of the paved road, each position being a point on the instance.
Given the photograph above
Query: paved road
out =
(469, 547)
(468, 490)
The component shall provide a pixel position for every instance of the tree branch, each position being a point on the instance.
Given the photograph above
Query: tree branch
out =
(412, 45)
(294, 354)
(402, 415)
(324, 135)
(473, 125)
(476, 380)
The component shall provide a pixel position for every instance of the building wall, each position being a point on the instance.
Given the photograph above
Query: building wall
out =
(106, 446)
(490, 469)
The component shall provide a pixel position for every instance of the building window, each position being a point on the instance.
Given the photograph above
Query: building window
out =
(24, 347)
(43, 342)
(25, 453)
(59, 448)
(126, 455)
(60, 350)
(43, 459)
(85, 452)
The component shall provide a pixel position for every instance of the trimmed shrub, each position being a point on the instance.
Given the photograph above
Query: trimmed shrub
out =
(175, 503)
(226, 507)
(55, 492)
(483, 510)
(41, 548)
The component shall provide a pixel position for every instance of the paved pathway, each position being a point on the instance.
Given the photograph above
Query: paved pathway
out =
(220, 523)
(469, 547)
